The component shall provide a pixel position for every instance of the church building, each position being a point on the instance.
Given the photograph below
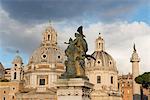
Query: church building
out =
(103, 73)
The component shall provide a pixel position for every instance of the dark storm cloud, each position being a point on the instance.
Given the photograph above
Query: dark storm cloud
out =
(12, 42)
(41, 10)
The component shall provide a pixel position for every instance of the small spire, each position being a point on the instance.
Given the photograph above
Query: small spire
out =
(99, 43)
(17, 51)
(134, 48)
(50, 22)
(99, 34)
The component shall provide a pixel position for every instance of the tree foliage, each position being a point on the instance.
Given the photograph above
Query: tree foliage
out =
(144, 80)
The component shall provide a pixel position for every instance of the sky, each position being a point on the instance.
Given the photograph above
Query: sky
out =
(120, 22)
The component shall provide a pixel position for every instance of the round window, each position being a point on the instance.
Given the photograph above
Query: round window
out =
(44, 56)
(58, 57)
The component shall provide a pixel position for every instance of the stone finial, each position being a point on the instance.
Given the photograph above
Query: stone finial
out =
(17, 51)
(134, 48)
(99, 34)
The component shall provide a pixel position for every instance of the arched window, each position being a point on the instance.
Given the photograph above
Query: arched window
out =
(99, 44)
(4, 98)
(111, 79)
(42, 81)
(48, 37)
(15, 75)
(98, 79)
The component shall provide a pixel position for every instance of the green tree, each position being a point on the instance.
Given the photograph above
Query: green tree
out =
(144, 80)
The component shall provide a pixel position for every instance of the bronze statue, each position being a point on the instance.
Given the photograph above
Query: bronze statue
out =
(76, 54)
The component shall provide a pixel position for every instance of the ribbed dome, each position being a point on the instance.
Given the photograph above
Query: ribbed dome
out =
(103, 60)
(47, 55)
(17, 59)
(48, 52)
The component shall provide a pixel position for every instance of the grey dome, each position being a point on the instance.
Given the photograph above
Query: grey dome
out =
(48, 52)
(103, 61)
(46, 55)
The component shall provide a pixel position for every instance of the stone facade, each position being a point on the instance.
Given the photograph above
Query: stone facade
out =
(8, 74)
(74, 89)
(9, 89)
(126, 87)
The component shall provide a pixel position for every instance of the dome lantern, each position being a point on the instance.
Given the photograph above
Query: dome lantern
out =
(48, 52)
(104, 61)
(49, 37)
(17, 59)
(100, 43)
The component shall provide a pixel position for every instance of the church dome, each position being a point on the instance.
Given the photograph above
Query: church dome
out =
(17, 59)
(48, 52)
(104, 61)
(46, 55)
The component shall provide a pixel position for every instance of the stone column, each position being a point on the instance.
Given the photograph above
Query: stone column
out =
(135, 72)
(73, 89)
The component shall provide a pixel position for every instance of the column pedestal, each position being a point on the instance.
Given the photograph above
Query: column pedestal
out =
(73, 89)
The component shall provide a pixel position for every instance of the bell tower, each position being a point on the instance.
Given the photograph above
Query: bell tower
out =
(100, 43)
(17, 69)
(135, 72)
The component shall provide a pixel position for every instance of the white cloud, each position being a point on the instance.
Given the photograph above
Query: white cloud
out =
(15, 35)
(119, 38)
